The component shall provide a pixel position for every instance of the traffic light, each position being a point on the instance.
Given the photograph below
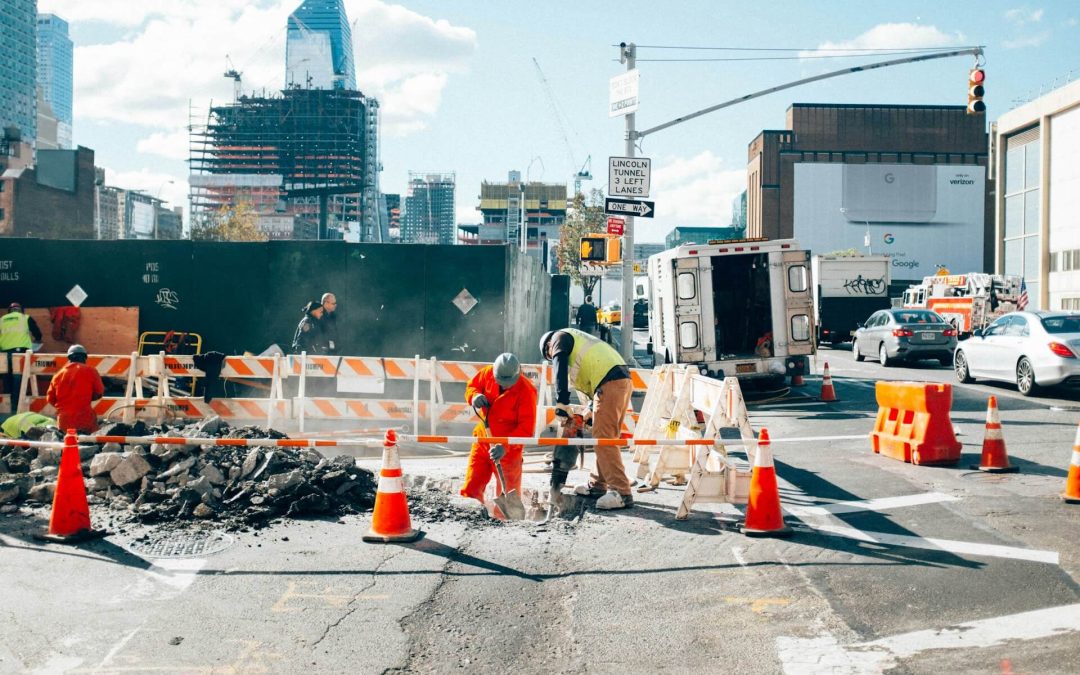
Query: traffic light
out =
(601, 249)
(976, 90)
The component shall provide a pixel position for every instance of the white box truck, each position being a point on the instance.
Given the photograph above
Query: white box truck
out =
(733, 308)
(847, 290)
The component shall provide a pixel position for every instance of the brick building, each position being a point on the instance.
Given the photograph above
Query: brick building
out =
(879, 179)
(52, 200)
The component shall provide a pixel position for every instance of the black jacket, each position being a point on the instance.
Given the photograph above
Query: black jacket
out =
(328, 329)
(308, 338)
(586, 316)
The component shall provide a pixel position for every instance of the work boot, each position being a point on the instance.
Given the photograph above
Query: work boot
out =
(613, 500)
(589, 490)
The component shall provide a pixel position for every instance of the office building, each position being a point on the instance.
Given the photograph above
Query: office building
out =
(318, 47)
(908, 182)
(501, 214)
(1036, 163)
(392, 209)
(55, 65)
(429, 209)
(18, 71)
(53, 199)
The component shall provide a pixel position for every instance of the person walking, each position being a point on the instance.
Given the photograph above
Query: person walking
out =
(595, 369)
(72, 391)
(586, 316)
(328, 323)
(309, 337)
(500, 395)
(18, 333)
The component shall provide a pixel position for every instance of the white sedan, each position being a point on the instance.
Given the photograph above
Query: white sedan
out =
(1030, 349)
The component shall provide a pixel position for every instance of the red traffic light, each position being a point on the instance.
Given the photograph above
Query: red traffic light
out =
(977, 76)
(976, 91)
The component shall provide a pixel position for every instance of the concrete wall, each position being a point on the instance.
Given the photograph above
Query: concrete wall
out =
(393, 300)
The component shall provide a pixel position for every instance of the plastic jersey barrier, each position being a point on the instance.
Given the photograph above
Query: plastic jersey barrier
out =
(913, 423)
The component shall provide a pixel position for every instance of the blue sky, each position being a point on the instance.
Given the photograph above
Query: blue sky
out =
(460, 92)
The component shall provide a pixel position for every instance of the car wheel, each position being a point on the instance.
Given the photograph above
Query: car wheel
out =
(946, 360)
(883, 356)
(960, 367)
(855, 351)
(1025, 378)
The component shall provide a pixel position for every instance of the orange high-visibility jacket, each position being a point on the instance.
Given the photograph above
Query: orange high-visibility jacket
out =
(71, 392)
(512, 412)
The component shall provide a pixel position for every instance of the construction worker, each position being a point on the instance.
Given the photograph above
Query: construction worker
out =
(17, 426)
(309, 337)
(596, 370)
(18, 333)
(500, 395)
(73, 389)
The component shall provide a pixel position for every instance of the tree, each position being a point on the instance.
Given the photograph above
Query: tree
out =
(585, 216)
(236, 222)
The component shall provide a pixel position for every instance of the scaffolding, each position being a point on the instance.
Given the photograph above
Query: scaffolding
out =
(308, 154)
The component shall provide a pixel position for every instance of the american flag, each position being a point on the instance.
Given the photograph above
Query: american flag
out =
(1022, 300)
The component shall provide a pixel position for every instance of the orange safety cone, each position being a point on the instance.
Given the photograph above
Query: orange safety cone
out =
(764, 517)
(1072, 483)
(390, 522)
(70, 519)
(994, 457)
(828, 393)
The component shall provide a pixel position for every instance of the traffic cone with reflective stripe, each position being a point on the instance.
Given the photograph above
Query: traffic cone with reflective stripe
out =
(1072, 483)
(994, 457)
(390, 521)
(828, 393)
(70, 518)
(764, 517)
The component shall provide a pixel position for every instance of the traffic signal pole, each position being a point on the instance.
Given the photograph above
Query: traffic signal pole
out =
(628, 55)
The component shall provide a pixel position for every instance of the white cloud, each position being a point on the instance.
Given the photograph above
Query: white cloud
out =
(892, 36)
(691, 191)
(171, 144)
(1033, 40)
(1023, 15)
(1023, 20)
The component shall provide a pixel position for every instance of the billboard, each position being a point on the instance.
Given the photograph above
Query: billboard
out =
(142, 219)
(921, 216)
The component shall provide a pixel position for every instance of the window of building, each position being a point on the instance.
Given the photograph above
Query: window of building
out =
(1022, 251)
(1, 214)
(1070, 304)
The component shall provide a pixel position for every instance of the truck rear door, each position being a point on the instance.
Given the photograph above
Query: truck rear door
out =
(798, 303)
(688, 304)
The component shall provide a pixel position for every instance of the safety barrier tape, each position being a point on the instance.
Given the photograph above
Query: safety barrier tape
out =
(630, 442)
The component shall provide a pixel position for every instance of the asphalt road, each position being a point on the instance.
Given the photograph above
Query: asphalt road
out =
(891, 568)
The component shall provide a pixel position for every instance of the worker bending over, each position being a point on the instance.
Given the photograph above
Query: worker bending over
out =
(72, 391)
(500, 395)
(596, 370)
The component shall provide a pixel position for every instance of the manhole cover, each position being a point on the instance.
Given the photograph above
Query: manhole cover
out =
(183, 544)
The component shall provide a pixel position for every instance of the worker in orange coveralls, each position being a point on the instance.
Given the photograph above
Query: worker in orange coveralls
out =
(499, 394)
(73, 389)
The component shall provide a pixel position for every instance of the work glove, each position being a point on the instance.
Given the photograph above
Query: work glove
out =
(497, 452)
(480, 401)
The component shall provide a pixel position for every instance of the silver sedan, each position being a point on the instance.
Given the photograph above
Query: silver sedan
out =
(893, 335)
(1029, 349)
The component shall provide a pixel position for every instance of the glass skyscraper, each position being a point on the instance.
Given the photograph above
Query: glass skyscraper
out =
(18, 68)
(54, 72)
(318, 47)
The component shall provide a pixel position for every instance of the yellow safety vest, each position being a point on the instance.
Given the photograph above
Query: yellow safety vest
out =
(14, 332)
(16, 426)
(590, 360)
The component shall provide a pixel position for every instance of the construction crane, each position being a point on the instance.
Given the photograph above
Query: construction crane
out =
(236, 75)
(585, 172)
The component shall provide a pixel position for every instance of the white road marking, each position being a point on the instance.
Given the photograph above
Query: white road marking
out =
(164, 580)
(881, 504)
(825, 654)
(949, 545)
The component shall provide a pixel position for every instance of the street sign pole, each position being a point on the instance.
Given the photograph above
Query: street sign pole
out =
(628, 55)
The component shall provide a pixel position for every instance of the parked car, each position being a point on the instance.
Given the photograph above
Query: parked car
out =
(905, 335)
(1029, 349)
(641, 313)
(611, 314)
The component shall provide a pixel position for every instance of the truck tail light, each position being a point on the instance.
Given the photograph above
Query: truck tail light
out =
(949, 332)
(903, 332)
(1062, 350)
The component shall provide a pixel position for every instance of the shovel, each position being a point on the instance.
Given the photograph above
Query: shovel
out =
(508, 502)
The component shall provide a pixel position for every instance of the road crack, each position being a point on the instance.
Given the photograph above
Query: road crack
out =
(353, 605)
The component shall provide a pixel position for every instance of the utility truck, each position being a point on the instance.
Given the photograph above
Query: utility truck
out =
(847, 290)
(967, 301)
(734, 308)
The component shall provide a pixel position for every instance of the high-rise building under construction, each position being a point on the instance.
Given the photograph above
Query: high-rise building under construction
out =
(429, 209)
(306, 159)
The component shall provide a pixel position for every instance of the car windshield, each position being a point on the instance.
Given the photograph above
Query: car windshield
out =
(918, 316)
(1065, 323)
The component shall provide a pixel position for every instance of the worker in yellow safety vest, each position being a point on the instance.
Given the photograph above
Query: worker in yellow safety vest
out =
(18, 333)
(595, 369)
(16, 426)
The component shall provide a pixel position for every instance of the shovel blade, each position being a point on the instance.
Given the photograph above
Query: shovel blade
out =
(512, 505)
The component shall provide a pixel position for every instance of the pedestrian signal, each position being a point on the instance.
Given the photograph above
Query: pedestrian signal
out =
(976, 90)
(601, 249)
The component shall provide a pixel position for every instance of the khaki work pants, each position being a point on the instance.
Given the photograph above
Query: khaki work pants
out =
(612, 400)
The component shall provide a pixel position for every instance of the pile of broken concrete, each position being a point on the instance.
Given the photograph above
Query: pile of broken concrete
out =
(166, 483)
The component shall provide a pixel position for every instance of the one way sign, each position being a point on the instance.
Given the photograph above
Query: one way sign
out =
(629, 207)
